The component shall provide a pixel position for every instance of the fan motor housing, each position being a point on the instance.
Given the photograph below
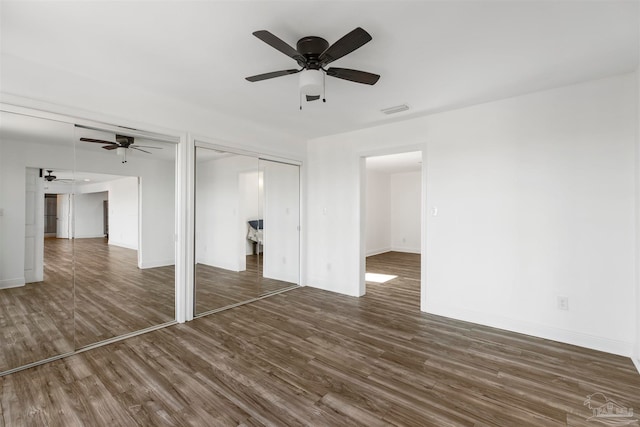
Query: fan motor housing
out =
(311, 47)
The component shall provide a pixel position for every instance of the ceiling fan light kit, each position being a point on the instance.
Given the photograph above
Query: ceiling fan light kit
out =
(313, 54)
(311, 82)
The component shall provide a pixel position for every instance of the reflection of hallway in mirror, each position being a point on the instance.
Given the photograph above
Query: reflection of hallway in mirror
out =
(217, 287)
(36, 320)
(114, 296)
(397, 276)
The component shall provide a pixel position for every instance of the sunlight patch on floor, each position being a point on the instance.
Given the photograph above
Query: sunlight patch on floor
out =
(378, 278)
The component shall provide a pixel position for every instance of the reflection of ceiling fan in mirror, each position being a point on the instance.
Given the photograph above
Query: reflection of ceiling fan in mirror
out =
(50, 177)
(122, 144)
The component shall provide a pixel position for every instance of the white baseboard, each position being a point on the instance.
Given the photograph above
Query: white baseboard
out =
(225, 266)
(333, 286)
(123, 245)
(580, 339)
(378, 251)
(406, 250)
(157, 263)
(12, 283)
(90, 236)
(636, 362)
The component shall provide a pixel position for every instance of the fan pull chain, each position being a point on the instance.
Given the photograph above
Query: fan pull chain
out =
(324, 87)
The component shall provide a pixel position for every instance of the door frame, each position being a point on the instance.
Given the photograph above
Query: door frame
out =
(423, 214)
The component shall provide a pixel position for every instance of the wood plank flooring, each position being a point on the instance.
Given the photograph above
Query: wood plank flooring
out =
(315, 358)
(108, 296)
(36, 320)
(113, 296)
(217, 287)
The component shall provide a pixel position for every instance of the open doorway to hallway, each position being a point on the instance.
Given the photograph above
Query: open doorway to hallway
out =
(393, 211)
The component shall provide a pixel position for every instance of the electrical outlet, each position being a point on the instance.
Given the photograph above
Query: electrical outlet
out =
(563, 303)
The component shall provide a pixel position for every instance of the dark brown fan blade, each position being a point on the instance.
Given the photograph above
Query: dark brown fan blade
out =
(347, 44)
(271, 75)
(353, 75)
(312, 97)
(135, 147)
(111, 147)
(98, 141)
(280, 45)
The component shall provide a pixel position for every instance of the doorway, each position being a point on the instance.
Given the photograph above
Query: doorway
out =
(50, 215)
(392, 232)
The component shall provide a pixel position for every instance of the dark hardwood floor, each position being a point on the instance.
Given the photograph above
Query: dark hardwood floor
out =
(36, 320)
(113, 296)
(315, 358)
(108, 296)
(217, 287)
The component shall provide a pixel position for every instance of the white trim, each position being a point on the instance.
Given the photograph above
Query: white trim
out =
(220, 145)
(157, 263)
(378, 251)
(405, 250)
(89, 236)
(363, 154)
(636, 362)
(85, 118)
(122, 245)
(332, 286)
(580, 339)
(12, 283)
(185, 229)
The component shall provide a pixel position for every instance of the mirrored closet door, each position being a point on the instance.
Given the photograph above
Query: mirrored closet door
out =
(87, 226)
(36, 271)
(124, 227)
(246, 230)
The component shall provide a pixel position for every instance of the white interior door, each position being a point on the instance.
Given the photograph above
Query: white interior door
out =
(34, 227)
(63, 221)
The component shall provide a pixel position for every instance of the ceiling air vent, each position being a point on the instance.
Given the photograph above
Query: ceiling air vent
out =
(396, 109)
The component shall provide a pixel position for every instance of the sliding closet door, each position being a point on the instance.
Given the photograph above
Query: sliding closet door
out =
(36, 273)
(124, 254)
(280, 204)
(228, 232)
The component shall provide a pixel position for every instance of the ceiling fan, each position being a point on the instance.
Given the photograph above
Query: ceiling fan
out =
(49, 177)
(313, 54)
(122, 144)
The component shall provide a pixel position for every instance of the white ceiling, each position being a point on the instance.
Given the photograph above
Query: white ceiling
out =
(431, 55)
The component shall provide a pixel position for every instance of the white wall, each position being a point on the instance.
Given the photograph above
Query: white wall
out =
(15, 155)
(405, 201)
(89, 215)
(393, 203)
(535, 198)
(123, 212)
(221, 229)
(50, 144)
(378, 212)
